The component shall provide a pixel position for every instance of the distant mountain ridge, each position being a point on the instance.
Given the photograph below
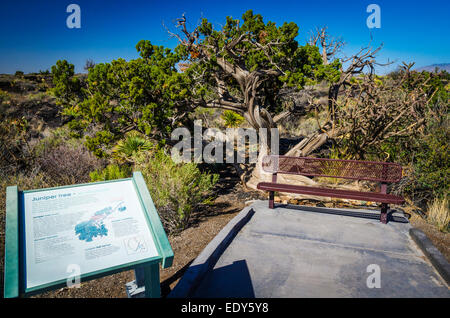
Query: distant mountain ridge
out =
(431, 68)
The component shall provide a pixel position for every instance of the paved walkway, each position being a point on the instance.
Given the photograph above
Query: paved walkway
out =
(290, 252)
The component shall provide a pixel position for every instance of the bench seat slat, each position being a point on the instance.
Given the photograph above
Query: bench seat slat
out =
(327, 192)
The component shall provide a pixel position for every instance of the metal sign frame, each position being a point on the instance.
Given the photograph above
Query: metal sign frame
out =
(15, 270)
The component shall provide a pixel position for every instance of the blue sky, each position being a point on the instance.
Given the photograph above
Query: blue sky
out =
(34, 35)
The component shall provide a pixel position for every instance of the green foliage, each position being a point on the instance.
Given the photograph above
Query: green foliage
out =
(111, 172)
(149, 95)
(436, 83)
(36, 96)
(131, 145)
(15, 151)
(431, 160)
(67, 88)
(176, 189)
(4, 96)
(427, 149)
(307, 68)
(424, 151)
(232, 119)
(144, 95)
(263, 47)
(209, 116)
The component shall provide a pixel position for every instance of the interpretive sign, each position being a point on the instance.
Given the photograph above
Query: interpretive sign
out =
(97, 228)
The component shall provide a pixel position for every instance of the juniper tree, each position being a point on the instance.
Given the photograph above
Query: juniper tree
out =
(244, 66)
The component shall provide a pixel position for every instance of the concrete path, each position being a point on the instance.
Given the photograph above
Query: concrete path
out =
(292, 252)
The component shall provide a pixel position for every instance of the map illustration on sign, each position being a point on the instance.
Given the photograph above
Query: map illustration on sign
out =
(95, 226)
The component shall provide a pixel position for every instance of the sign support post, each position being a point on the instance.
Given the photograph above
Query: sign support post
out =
(152, 285)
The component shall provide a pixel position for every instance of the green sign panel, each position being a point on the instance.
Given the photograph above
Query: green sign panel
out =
(57, 235)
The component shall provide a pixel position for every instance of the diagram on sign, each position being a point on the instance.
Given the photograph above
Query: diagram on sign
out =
(95, 226)
(135, 244)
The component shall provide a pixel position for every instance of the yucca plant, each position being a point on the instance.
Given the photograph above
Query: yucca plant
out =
(232, 119)
(131, 145)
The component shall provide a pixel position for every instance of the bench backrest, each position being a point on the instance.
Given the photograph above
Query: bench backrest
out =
(384, 172)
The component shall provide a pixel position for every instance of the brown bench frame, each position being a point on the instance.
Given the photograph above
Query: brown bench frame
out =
(383, 172)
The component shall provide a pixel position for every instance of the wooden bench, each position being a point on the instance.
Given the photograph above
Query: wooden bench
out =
(383, 172)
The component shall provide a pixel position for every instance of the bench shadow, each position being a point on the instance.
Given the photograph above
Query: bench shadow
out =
(359, 214)
(227, 281)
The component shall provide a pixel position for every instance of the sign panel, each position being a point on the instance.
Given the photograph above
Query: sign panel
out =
(90, 227)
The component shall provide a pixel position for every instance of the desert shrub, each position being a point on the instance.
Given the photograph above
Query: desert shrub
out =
(63, 159)
(25, 181)
(4, 96)
(89, 64)
(36, 96)
(131, 145)
(15, 151)
(232, 119)
(404, 120)
(439, 213)
(176, 189)
(426, 157)
(67, 87)
(57, 137)
(305, 125)
(111, 172)
(67, 164)
(432, 163)
(209, 116)
(28, 180)
(379, 117)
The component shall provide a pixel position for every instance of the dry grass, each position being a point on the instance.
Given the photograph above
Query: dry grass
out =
(305, 125)
(32, 181)
(439, 239)
(68, 163)
(439, 214)
(58, 166)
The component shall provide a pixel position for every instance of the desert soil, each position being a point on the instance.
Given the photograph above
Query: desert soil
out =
(207, 223)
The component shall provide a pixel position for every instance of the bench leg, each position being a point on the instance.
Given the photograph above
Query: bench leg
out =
(271, 199)
(384, 215)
